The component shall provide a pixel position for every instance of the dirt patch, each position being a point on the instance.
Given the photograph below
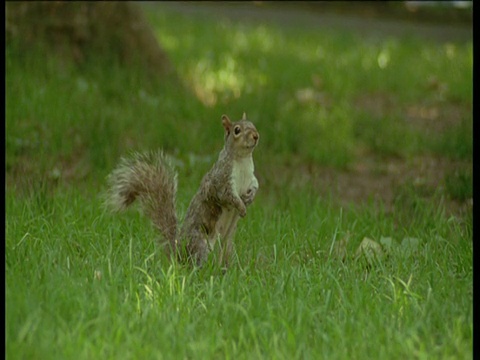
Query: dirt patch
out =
(381, 180)
(434, 117)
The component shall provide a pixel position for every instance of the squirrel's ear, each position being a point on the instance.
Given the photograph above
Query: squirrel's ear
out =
(244, 117)
(227, 124)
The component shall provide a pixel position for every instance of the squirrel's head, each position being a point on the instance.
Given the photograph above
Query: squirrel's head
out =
(240, 136)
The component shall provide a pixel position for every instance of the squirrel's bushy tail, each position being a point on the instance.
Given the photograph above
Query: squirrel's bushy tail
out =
(151, 178)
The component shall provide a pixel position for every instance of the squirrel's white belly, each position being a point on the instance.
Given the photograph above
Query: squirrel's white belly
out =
(242, 179)
(242, 175)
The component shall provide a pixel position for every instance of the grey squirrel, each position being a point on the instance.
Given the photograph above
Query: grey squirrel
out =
(224, 194)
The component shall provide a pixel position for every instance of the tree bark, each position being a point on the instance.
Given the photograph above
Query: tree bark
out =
(82, 30)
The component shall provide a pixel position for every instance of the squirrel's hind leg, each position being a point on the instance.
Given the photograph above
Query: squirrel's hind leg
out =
(198, 248)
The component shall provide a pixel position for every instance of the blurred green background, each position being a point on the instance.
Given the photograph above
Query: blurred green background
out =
(358, 101)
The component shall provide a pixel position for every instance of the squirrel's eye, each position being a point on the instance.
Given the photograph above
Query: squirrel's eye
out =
(237, 130)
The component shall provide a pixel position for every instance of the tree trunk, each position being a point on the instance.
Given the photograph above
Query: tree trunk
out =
(82, 30)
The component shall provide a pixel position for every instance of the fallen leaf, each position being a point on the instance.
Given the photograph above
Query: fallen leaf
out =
(409, 245)
(370, 250)
(387, 243)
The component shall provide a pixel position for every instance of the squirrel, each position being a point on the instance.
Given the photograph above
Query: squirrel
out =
(222, 199)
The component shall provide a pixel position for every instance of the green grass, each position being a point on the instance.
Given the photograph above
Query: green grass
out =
(85, 284)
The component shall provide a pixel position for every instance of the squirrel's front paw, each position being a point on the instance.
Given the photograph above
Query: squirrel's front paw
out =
(248, 197)
(242, 211)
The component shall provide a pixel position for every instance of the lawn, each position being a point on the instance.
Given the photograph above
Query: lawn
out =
(86, 284)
